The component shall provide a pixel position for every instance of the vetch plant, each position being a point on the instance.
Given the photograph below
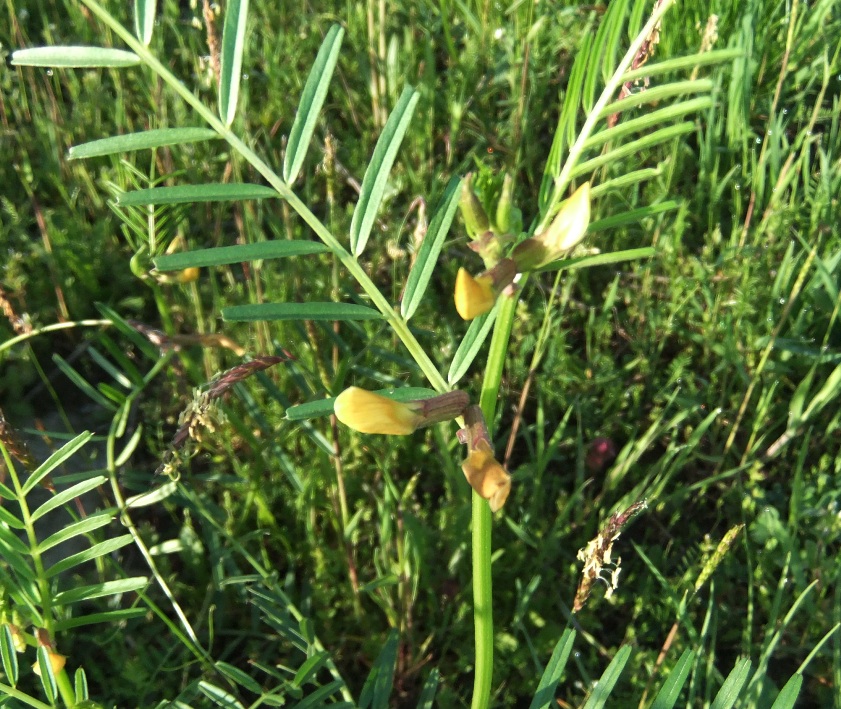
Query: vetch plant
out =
(578, 158)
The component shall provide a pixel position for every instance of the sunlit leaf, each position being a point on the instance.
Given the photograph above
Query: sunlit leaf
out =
(208, 192)
(74, 57)
(427, 255)
(233, 45)
(237, 254)
(376, 176)
(312, 99)
(299, 311)
(142, 140)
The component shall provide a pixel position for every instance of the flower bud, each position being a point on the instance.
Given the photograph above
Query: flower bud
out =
(368, 412)
(475, 218)
(503, 207)
(564, 233)
(475, 296)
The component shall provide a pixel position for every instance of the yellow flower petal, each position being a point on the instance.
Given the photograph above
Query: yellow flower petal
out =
(57, 661)
(570, 224)
(367, 412)
(473, 296)
(486, 476)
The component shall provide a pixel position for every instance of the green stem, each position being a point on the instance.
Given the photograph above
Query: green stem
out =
(397, 323)
(483, 626)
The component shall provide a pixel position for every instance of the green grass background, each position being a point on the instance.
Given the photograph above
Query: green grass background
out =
(694, 363)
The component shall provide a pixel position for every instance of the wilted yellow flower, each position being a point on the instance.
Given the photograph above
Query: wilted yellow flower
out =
(18, 640)
(56, 661)
(566, 230)
(486, 476)
(473, 296)
(367, 412)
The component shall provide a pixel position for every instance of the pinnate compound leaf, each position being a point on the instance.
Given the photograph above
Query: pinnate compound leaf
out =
(670, 691)
(74, 57)
(94, 552)
(65, 496)
(312, 99)
(142, 140)
(604, 687)
(56, 459)
(144, 20)
(430, 249)
(299, 311)
(222, 255)
(98, 590)
(211, 192)
(233, 45)
(545, 694)
(376, 176)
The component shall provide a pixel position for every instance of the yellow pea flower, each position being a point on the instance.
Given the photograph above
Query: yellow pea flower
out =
(368, 412)
(566, 230)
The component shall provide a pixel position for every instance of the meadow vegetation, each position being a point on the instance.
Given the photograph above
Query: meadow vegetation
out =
(210, 536)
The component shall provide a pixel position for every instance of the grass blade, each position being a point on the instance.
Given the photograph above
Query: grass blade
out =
(609, 678)
(223, 255)
(787, 698)
(554, 669)
(376, 176)
(670, 691)
(430, 249)
(378, 685)
(144, 20)
(732, 687)
(142, 140)
(66, 495)
(74, 57)
(299, 311)
(312, 99)
(233, 44)
(212, 192)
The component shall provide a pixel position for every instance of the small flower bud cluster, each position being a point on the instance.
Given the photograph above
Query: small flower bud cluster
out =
(476, 295)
